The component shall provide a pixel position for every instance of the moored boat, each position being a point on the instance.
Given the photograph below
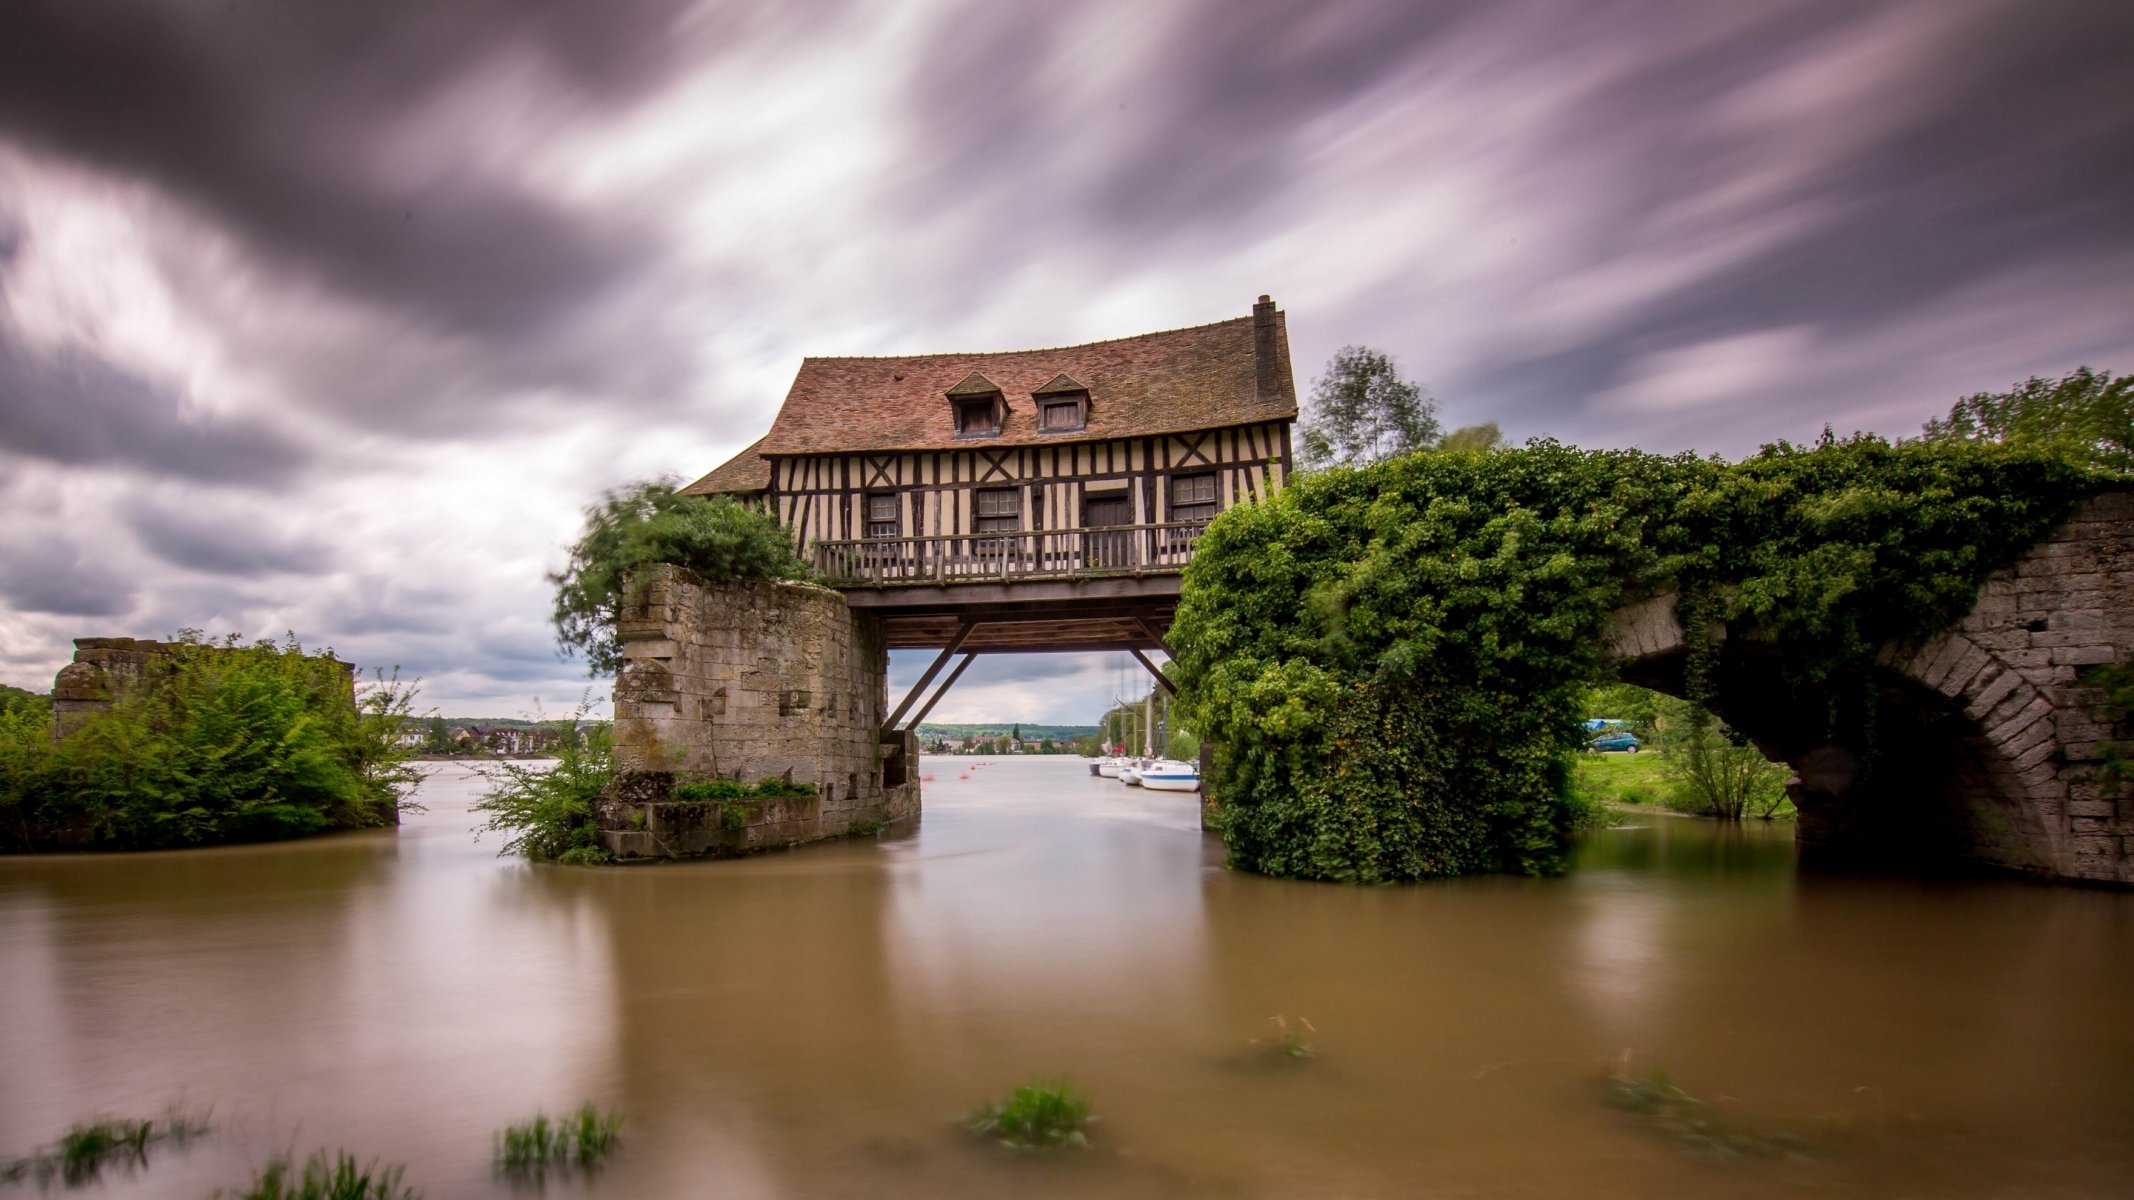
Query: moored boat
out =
(1170, 775)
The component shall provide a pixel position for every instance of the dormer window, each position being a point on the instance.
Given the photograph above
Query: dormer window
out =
(978, 406)
(1062, 405)
(977, 418)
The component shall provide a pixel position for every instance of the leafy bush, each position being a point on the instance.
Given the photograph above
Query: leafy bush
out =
(548, 813)
(1040, 1115)
(1392, 662)
(338, 1178)
(234, 743)
(1714, 770)
(582, 1139)
(650, 522)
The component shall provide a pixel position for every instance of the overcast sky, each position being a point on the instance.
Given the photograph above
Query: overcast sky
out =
(330, 317)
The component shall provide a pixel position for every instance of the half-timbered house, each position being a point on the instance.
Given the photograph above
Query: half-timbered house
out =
(1027, 499)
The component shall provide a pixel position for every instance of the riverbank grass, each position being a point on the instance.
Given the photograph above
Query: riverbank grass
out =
(581, 1139)
(1696, 1125)
(81, 1155)
(1039, 1115)
(1288, 1043)
(321, 1178)
(1639, 780)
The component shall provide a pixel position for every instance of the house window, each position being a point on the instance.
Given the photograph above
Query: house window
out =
(883, 519)
(1060, 416)
(977, 418)
(1193, 497)
(997, 510)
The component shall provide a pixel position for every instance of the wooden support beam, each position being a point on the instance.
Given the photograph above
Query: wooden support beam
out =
(969, 657)
(1150, 629)
(955, 643)
(1161, 678)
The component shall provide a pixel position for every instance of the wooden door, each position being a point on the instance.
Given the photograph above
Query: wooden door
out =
(1107, 543)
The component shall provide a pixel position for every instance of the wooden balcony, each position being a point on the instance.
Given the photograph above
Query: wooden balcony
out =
(995, 558)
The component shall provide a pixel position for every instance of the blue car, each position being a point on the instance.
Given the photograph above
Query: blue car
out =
(1622, 739)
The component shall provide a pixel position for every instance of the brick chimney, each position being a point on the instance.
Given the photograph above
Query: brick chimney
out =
(1267, 353)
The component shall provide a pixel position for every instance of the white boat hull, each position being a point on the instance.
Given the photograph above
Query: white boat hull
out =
(1171, 776)
(1171, 783)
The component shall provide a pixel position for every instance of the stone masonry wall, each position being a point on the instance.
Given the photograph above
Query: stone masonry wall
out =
(749, 680)
(2016, 665)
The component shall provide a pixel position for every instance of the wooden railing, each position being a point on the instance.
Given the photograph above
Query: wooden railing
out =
(992, 557)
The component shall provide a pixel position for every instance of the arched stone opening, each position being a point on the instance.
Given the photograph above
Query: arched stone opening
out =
(1987, 740)
(1919, 786)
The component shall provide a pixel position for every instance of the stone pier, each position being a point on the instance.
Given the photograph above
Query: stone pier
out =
(748, 681)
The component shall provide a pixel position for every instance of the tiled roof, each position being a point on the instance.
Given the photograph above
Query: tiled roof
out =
(747, 471)
(1182, 379)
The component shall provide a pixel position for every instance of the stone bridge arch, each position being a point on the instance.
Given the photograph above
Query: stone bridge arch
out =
(1987, 743)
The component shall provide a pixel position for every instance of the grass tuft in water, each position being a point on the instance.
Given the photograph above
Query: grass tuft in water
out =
(1695, 1124)
(581, 1139)
(338, 1178)
(1288, 1042)
(1039, 1115)
(81, 1155)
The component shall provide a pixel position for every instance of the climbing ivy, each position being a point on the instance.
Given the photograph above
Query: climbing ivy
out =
(1389, 660)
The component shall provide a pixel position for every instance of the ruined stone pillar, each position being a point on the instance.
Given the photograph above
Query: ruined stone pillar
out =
(749, 680)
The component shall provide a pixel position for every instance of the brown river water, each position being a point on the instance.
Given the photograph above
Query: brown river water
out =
(816, 1022)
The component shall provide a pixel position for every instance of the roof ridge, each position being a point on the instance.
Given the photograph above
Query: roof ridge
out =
(1132, 337)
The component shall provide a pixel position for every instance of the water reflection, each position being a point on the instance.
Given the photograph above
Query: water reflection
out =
(813, 1022)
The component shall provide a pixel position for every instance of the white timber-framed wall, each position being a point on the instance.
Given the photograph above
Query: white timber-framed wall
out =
(823, 498)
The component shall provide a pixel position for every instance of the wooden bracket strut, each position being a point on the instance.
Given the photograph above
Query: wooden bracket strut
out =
(920, 716)
(963, 632)
(1161, 678)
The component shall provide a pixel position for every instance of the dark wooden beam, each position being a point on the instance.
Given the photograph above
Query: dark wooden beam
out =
(956, 643)
(1161, 678)
(919, 718)
(1149, 628)
(1021, 592)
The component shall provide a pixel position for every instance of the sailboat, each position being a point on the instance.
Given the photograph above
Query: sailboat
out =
(1170, 775)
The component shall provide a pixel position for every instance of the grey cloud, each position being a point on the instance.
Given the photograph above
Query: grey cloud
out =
(216, 537)
(76, 409)
(264, 115)
(53, 574)
(278, 122)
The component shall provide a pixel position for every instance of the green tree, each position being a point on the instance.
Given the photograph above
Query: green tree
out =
(1635, 706)
(2086, 415)
(1715, 770)
(12, 698)
(439, 737)
(1182, 746)
(1485, 436)
(546, 812)
(1361, 412)
(649, 522)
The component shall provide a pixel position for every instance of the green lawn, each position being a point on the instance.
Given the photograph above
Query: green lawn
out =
(1623, 778)
(1638, 780)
